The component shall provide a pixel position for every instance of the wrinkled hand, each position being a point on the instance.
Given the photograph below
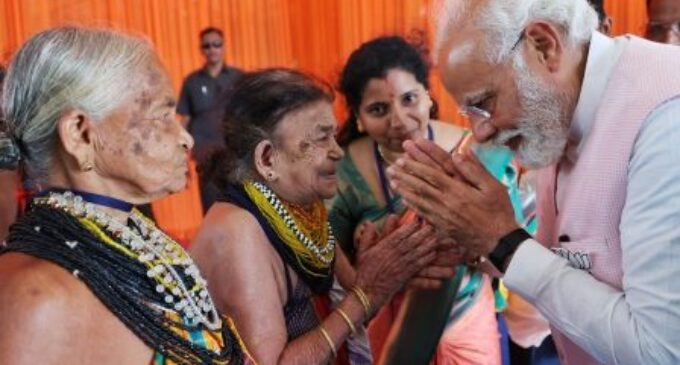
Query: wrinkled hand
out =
(456, 194)
(449, 255)
(386, 264)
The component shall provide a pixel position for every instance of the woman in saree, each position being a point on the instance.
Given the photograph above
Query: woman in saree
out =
(386, 88)
(266, 246)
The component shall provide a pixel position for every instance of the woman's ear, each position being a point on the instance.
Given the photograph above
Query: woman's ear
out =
(430, 101)
(360, 124)
(265, 163)
(75, 134)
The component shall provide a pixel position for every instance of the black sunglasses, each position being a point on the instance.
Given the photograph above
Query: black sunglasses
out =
(207, 45)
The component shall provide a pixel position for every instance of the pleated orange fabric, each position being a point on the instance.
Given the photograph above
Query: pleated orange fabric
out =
(313, 35)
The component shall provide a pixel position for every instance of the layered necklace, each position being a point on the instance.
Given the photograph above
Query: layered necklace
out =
(140, 274)
(173, 272)
(306, 232)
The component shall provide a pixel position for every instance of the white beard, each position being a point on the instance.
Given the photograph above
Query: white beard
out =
(543, 126)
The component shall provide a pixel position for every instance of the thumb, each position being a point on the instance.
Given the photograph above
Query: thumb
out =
(471, 170)
(390, 225)
(367, 238)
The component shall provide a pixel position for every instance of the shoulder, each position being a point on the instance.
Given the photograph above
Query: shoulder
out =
(31, 285)
(360, 147)
(227, 233)
(233, 70)
(235, 256)
(193, 76)
(227, 219)
(43, 306)
(358, 167)
(656, 145)
(447, 135)
(360, 154)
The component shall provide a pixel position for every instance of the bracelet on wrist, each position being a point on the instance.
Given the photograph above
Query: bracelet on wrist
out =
(347, 320)
(363, 299)
(328, 339)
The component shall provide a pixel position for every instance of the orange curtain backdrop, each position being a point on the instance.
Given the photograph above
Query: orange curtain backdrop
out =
(316, 36)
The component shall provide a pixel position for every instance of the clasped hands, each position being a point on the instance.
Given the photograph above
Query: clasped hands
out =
(456, 194)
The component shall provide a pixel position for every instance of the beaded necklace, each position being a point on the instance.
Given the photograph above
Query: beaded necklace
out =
(125, 282)
(294, 229)
(143, 241)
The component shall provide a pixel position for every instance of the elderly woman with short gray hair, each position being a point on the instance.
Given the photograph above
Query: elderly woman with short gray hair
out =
(86, 278)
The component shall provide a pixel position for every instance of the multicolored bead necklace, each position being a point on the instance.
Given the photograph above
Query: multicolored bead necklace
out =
(185, 294)
(308, 235)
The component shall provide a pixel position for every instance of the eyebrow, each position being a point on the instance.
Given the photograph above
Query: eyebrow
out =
(326, 128)
(169, 102)
(410, 91)
(474, 97)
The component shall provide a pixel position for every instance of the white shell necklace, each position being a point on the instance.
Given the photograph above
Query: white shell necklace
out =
(162, 256)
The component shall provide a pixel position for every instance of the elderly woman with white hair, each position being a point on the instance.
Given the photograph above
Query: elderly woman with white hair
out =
(87, 279)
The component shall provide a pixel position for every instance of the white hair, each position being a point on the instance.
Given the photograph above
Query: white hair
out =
(64, 69)
(502, 21)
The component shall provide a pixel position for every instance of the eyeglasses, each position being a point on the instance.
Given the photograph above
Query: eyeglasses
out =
(208, 45)
(477, 114)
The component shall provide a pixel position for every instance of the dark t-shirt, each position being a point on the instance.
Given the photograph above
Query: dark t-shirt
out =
(197, 100)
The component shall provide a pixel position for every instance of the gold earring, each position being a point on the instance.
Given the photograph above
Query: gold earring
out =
(360, 127)
(86, 166)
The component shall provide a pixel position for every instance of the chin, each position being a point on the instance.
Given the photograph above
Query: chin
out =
(534, 159)
(178, 185)
(325, 195)
(328, 190)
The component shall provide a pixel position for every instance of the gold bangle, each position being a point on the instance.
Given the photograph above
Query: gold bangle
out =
(325, 335)
(346, 318)
(363, 299)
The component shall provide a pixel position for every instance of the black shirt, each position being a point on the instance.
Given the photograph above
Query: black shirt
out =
(197, 100)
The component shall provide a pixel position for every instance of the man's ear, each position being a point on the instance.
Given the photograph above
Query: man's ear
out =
(606, 26)
(75, 134)
(545, 44)
(265, 163)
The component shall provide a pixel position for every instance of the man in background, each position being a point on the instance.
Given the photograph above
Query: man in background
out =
(664, 21)
(196, 106)
(605, 21)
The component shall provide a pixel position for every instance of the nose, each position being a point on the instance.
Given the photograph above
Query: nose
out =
(185, 139)
(398, 117)
(483, 131)
(336, 152)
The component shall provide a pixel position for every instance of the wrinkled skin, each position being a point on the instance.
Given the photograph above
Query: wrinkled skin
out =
(138, 153)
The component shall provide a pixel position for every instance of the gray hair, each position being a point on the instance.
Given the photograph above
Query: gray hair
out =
(502, 21)
(64, 69)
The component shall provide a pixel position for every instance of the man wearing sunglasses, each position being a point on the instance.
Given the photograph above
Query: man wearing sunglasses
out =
(196, 106)
(664, 21)
(598, 116)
